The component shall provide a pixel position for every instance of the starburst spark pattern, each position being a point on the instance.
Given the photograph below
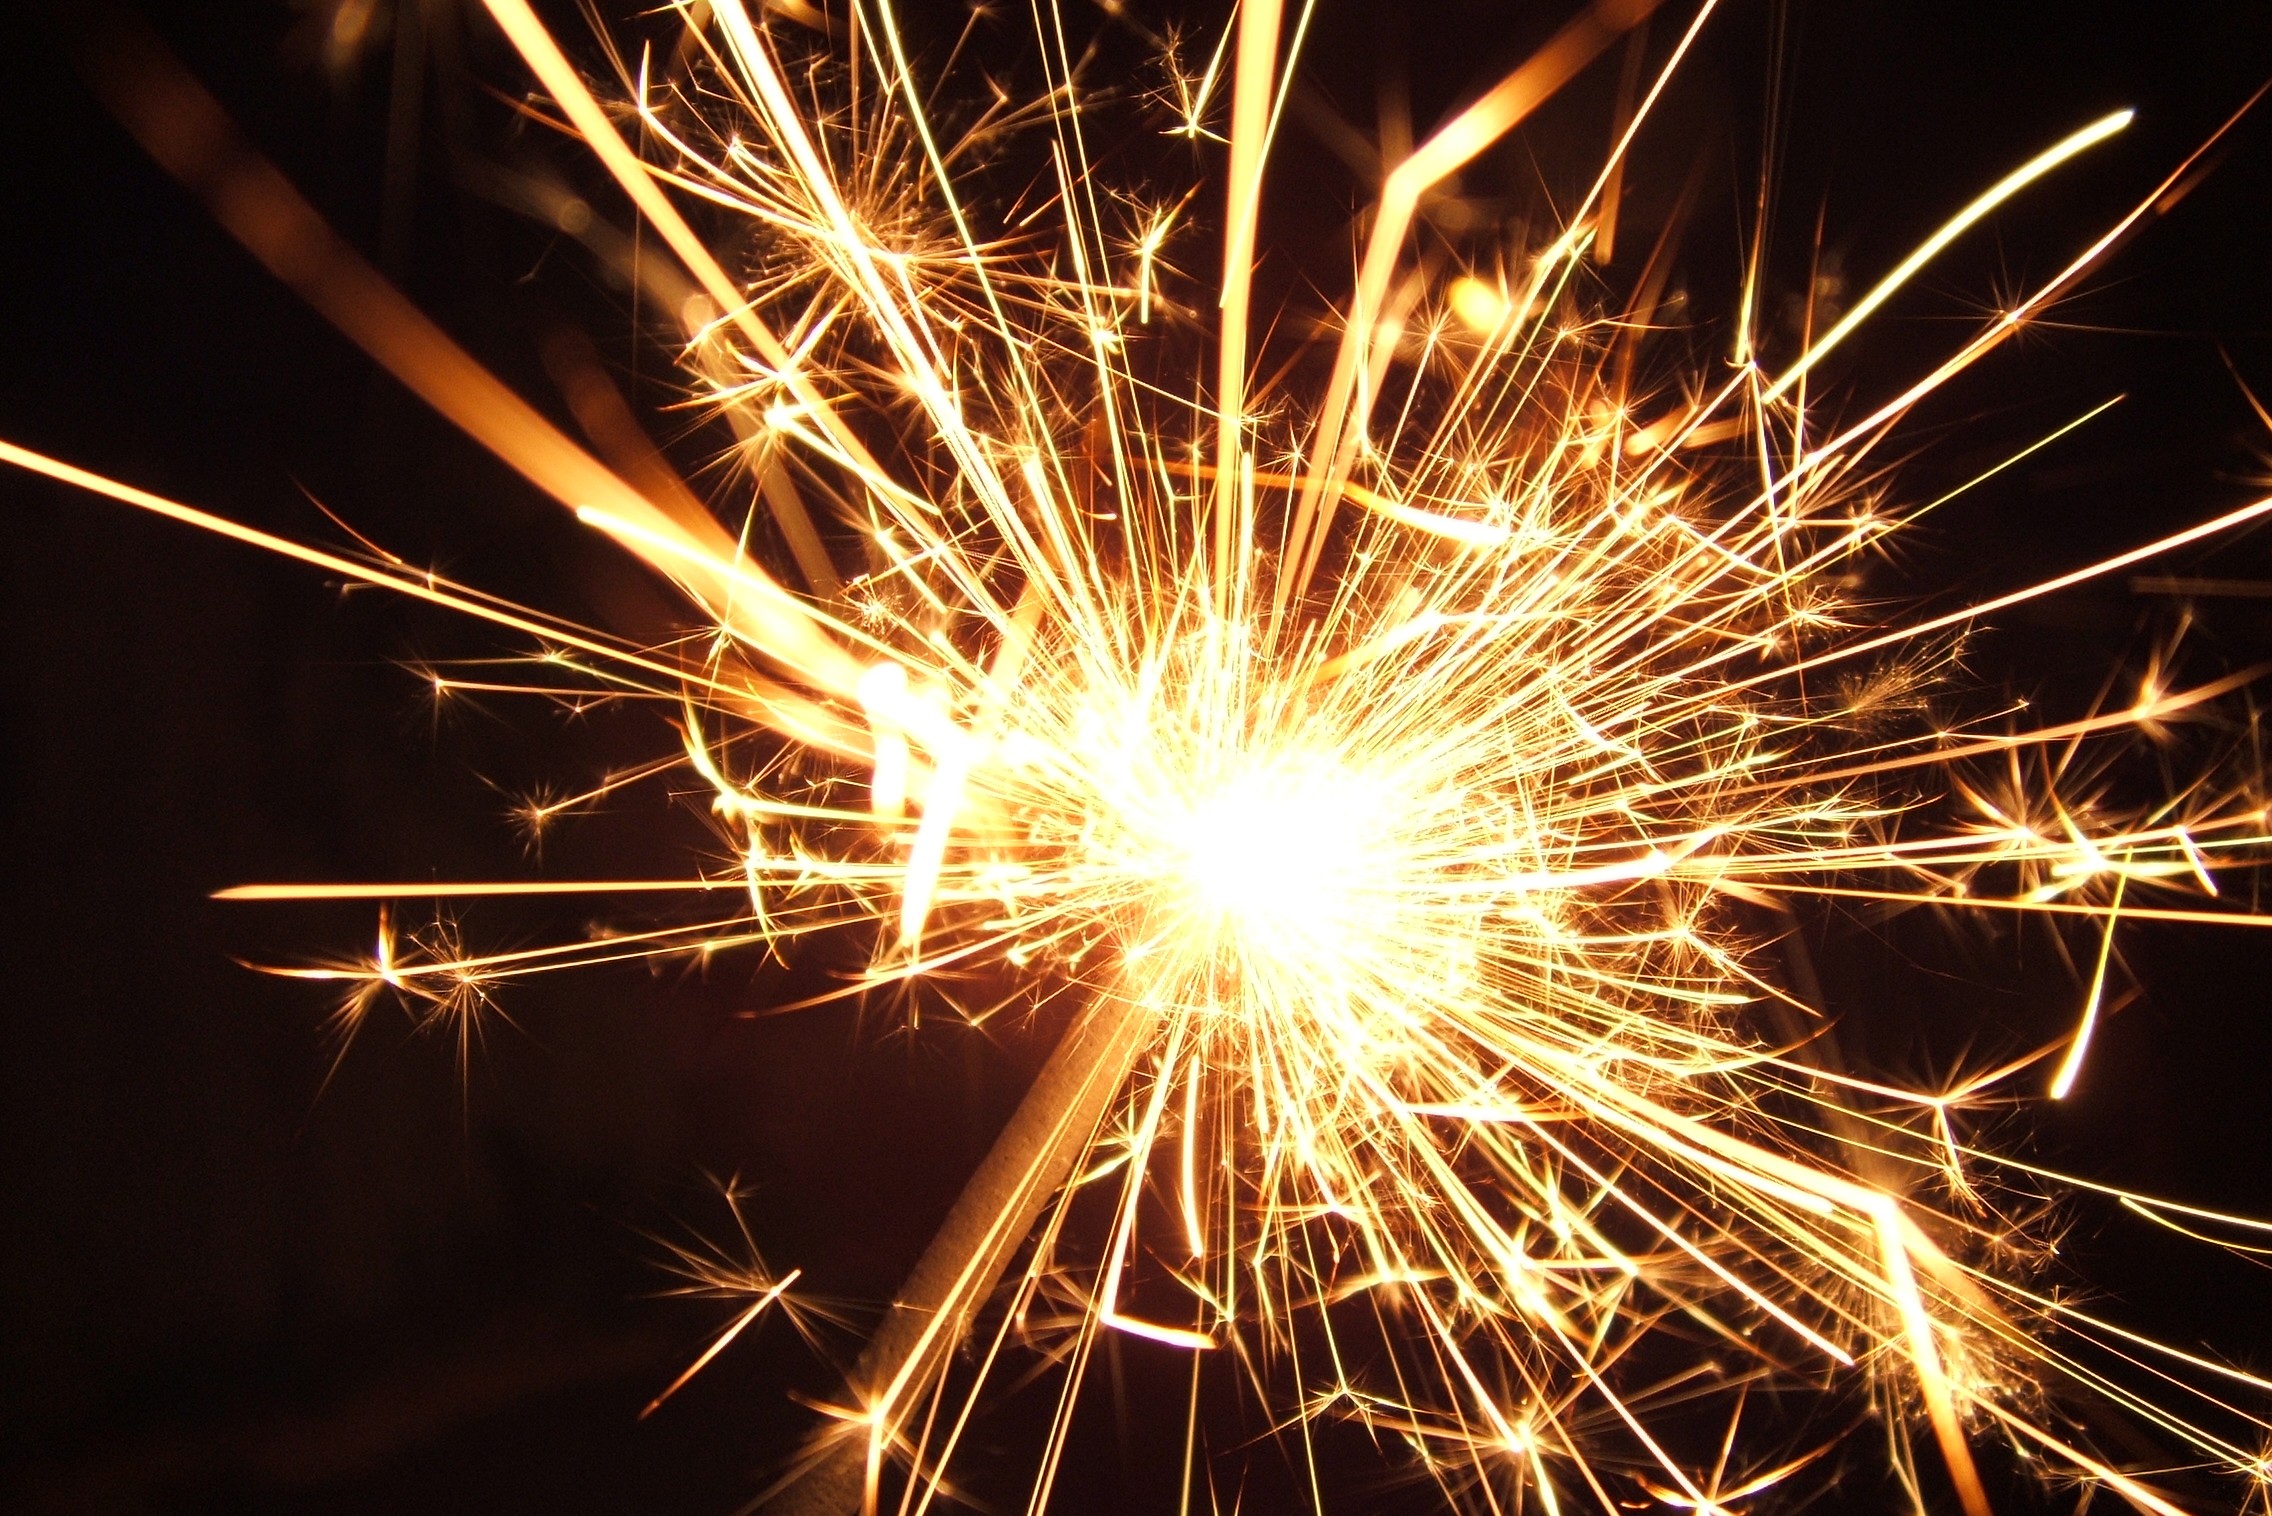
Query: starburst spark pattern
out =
(1381, 773)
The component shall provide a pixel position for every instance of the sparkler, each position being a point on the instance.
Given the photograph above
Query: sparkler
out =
(1370, 782)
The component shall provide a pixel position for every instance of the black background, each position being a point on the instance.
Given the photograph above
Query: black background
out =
(227, 1285)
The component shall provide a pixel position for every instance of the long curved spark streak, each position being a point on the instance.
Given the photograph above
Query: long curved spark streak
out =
(1932, 247)
(1387, 871)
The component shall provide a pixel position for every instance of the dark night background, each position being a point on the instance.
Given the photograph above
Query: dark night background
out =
(228, 1286)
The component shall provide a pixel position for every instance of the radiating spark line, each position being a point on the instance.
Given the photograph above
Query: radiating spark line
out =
(430, 589)
(2041, 907)
(2063, 1082)
(725, 1339)
(440, 888)
(1932, 247)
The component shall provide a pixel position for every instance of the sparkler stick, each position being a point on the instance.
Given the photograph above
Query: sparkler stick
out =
(839, 1468)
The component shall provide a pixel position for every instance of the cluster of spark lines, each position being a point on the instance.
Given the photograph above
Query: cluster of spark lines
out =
(1396, 750)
